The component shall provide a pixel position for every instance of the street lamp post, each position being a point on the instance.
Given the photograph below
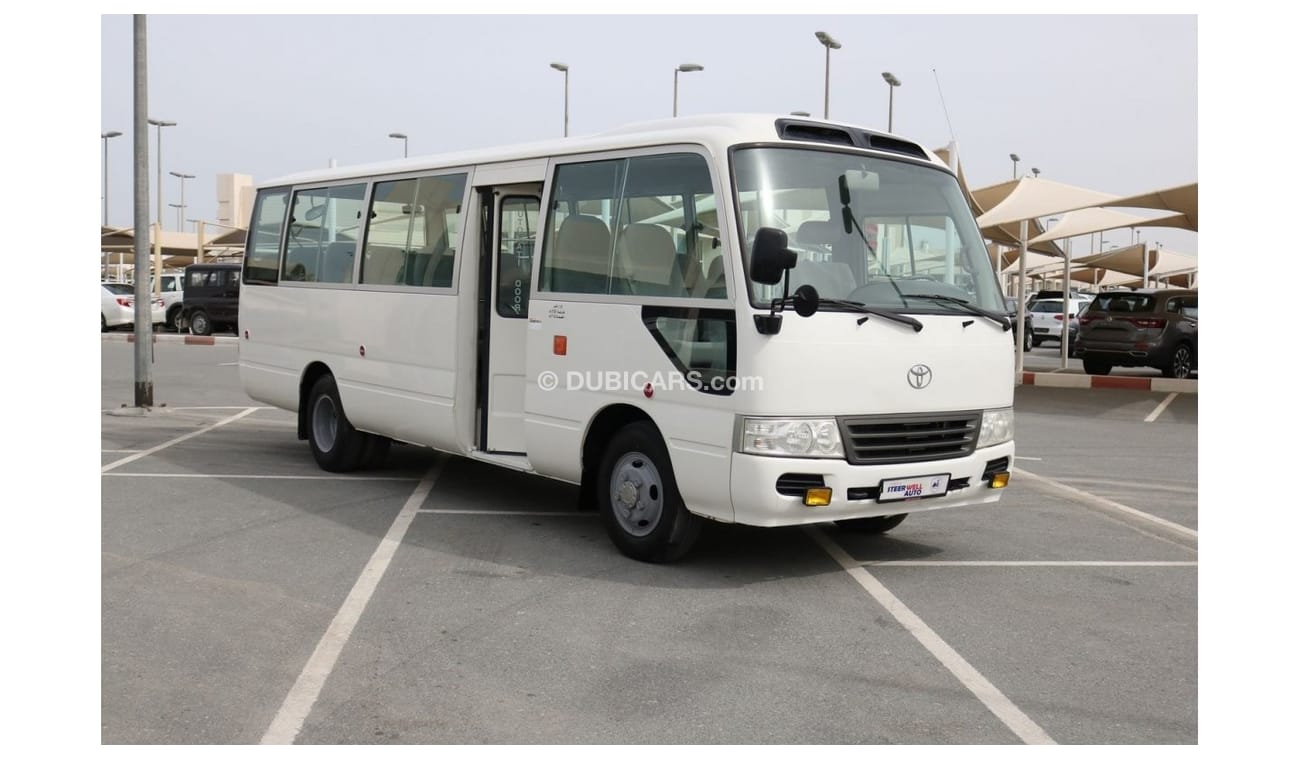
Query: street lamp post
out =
(182, 176)
(1014, 160)
(893, 82)
(831, 44)
(105, 137)
(800, 113)
(678, 70)
(180, 208)
(1034, 169)
(564, 68)
(402, 137)
(159, 123)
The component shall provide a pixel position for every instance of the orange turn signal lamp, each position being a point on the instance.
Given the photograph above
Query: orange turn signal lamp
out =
(1000, 480)
(817, 497)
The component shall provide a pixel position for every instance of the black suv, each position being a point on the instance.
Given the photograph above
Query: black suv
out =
(1140, 328)
(211, 298)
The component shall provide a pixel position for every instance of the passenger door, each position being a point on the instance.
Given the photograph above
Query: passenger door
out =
(504, 292)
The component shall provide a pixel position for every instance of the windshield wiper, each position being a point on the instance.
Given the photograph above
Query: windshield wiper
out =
(967, 306)
(912, 322)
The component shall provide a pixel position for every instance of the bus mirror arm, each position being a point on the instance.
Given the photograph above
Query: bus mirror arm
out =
(770, 323)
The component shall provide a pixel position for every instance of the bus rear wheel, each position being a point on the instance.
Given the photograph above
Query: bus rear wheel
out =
(639, 503)
(335, 444)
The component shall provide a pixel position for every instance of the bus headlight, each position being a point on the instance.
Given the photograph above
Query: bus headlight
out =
(791, 437)
(998, 426)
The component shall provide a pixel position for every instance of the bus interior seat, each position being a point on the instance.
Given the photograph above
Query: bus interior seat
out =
(649, 259)
(337, 264)
(382, 265)
(581, 260)
(713, 284)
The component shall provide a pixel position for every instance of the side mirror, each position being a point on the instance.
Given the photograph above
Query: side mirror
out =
(806, 300)
(771, 256)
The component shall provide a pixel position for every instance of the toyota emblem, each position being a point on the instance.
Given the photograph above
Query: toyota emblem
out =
(919, 376)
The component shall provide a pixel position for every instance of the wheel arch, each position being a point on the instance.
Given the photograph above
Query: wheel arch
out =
(313, 372)
(602, 428)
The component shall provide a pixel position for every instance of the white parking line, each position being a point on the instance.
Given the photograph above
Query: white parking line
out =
(127, 460)
(1011, 716)
(302, 697)
(1019, 563)
(256, 477)
(1107, 504)
(1163, 405)
(500, 512)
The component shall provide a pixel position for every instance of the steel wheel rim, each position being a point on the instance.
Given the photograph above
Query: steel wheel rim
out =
(199, 323)
(636, 494)
(324, 423)
(1182, 362)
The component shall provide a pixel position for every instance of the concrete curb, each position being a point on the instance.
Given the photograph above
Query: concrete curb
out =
(188, 340)
(1071, 380)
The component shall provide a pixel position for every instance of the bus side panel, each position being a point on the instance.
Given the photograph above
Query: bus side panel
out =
(392, 355)
(609, 357)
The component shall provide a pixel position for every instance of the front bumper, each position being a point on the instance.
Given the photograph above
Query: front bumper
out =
(756, 501)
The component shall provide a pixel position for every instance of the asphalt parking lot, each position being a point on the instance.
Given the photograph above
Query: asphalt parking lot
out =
(249, 597)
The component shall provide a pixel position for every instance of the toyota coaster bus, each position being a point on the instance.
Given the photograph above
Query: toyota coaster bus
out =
(752, 319)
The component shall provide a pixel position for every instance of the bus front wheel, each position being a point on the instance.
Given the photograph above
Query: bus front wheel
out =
(335, 444)
(639, 503)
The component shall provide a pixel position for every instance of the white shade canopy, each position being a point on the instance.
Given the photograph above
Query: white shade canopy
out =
(1033, 198)
(1089, 220)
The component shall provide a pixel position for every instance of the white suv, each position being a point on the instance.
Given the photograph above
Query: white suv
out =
(1045, 315)
(173, 295)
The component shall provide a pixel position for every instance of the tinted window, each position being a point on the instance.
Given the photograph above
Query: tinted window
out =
(1122, 302)
(413, 231)
(262, 252)
(634, 226)
(518, 225)
(324, 226)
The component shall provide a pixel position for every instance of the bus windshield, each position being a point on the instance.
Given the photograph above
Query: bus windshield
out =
(911, 245)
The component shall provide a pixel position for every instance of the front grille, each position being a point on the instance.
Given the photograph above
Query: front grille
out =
(898, 438)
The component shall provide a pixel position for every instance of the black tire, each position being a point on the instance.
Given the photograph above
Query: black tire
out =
(374, 451)
(103, 324)
(335, 444)
(1036, 342)
(1095, 367)
(873, 525)
(639, 503)
(173, 318)
(1181, 363)
(200, 322)
(1029, 339)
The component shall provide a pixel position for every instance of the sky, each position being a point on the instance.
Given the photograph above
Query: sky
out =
(1106, 102)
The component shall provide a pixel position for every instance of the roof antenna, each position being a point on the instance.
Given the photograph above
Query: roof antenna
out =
(951, 134)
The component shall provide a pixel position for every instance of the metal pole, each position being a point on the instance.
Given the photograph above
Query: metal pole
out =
(675, 73)
(1065, 326)
(143, 311)
(826, 106)
(891, 108)
(106, 136)
(1020, 302)
(564, 69)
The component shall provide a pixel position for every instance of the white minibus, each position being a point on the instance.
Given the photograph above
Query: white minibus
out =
(764, 320)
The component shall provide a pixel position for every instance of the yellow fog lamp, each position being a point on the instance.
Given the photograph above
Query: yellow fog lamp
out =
(1000, 480)
(817, 497)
